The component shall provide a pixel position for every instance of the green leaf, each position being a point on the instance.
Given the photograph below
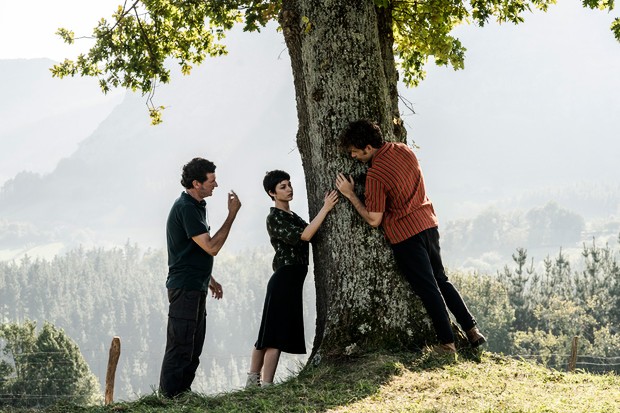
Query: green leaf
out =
(615, 28)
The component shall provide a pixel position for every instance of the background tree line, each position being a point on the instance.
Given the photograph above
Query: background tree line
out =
(534, 310)
(95, 294)
(40, 368)
(527, 309)
(486, 241)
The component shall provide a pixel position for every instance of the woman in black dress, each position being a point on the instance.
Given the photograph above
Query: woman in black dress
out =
(282, 324)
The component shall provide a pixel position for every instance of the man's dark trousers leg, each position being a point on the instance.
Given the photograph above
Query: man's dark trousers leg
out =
(185, 338)
(419, 260)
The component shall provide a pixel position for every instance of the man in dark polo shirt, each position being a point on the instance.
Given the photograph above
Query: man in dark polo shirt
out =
(395, 198)
(191, 249)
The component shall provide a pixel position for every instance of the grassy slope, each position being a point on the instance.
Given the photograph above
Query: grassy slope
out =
(406, 383)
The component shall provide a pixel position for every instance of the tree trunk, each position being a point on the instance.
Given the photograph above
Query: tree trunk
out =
(343, 68)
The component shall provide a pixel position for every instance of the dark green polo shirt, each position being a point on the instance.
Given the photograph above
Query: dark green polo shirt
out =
(189, 266)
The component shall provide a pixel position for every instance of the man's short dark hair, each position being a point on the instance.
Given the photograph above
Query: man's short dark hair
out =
(272, 179)
(196, 170)
(361, 133)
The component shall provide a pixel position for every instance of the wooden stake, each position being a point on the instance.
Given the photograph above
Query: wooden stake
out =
(115, 353)
(572, 363)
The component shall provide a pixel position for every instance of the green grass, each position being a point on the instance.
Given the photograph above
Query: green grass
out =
(379, 383)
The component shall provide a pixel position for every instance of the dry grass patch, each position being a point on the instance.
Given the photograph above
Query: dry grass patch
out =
(495, 384)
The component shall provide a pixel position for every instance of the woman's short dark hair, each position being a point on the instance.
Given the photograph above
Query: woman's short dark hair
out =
(272, 179)
(196, 170)
(361, 133)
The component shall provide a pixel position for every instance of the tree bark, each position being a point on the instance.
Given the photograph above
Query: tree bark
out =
(344, 70)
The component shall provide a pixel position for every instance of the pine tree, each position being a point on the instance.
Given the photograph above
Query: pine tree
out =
(43, 368)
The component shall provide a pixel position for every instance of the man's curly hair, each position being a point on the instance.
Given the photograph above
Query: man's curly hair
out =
(196, 170)
(361, 133)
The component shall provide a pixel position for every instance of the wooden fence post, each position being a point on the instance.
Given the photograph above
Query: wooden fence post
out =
(115, 352)
(572, 363)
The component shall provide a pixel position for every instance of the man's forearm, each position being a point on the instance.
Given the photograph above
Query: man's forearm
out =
(218, 240)
(373, 219)
(359, 207)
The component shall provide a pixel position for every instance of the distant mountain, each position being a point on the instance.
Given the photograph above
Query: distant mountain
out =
(41, 118)
(120, 182)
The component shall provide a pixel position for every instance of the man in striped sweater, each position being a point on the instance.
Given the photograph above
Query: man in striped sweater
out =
(396, 199)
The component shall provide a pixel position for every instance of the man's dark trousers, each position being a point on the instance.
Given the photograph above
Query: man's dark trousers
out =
(185, 338)
(419, 260)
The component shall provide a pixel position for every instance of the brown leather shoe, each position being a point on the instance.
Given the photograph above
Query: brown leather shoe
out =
(476, 339)
(443, 349)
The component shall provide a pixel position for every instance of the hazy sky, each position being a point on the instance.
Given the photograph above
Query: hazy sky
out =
(537, 106)
(27, 27)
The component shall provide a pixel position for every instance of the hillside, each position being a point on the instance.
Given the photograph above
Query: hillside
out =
(43, 119)
(118, 183)
(381, 383)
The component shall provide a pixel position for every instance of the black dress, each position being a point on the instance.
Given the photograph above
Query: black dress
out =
(282, 323)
